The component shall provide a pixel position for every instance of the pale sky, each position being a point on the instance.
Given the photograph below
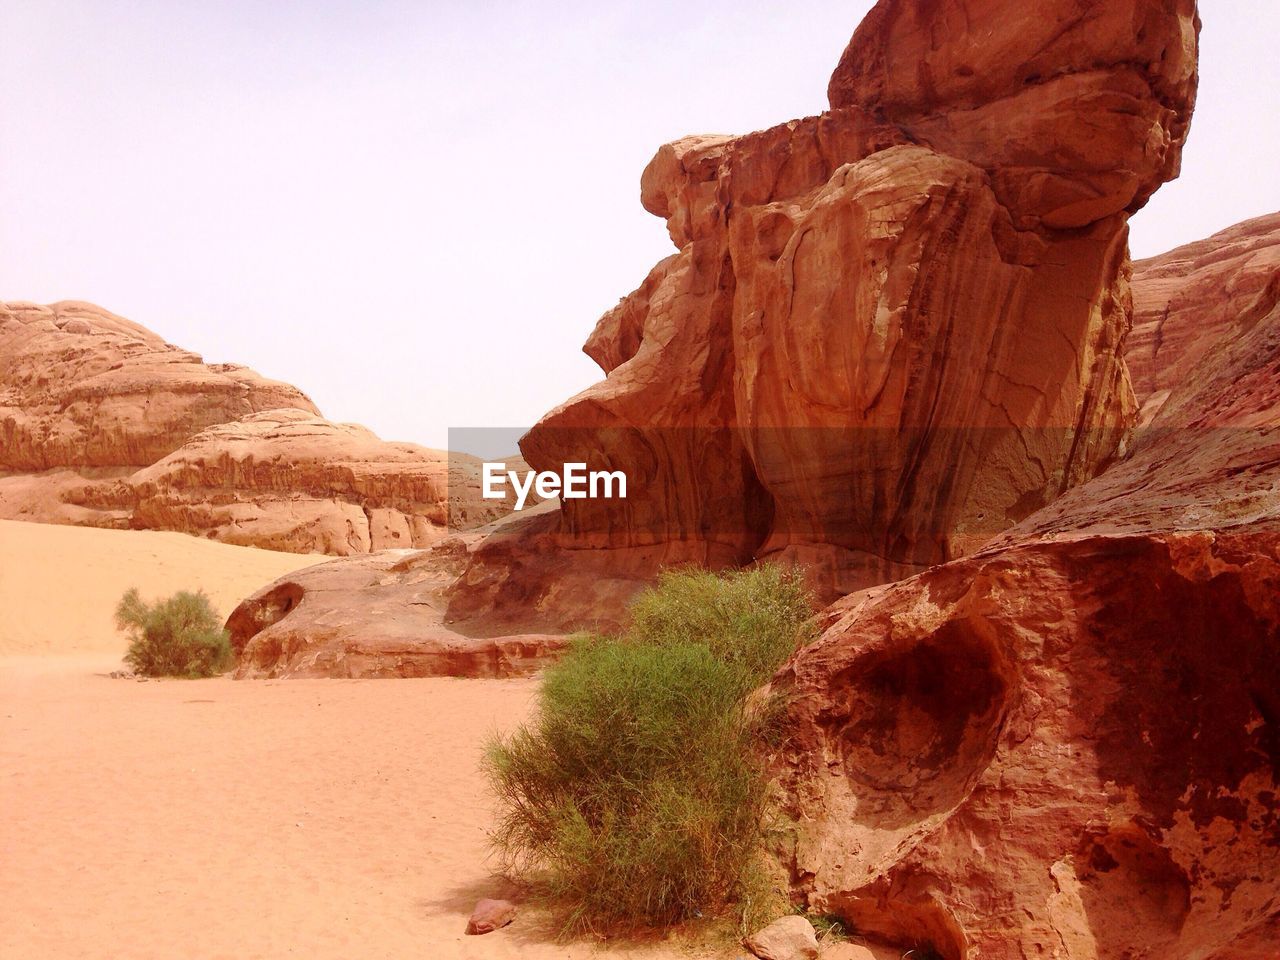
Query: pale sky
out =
(416, 211)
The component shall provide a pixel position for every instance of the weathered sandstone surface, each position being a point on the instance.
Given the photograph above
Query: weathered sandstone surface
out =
(374, 616)
(891, 330)
(1066, 745)
(303, 484)
(1188, 299)
(102, 423)
(82, 387)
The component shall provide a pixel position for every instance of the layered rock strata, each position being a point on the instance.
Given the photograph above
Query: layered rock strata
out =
(103, 423)
(891, 330)
(1068, 744)
(1188, 299)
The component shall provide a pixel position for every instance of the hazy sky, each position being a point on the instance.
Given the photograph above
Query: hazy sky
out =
(415, 211)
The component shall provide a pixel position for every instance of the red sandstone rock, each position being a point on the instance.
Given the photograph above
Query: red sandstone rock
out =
(104, 424)
(300, 483)
(869, 354)
(490, 915)
(518, 577)
(891, 330)
(82, 387)
(1069, 738)
(787, 938)
(373, 616)
(1078, 109)
(1066, 742)
(1187, 300)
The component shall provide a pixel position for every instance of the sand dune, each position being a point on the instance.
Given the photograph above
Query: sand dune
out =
(59, 586)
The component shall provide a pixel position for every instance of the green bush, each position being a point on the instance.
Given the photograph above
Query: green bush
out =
(178, 637)
(747, 618)
(637, 795)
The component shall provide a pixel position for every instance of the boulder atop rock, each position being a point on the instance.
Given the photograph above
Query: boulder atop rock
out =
(1079, 110)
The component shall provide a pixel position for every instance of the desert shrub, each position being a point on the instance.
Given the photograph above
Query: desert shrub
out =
(748, 618)
(180, 636)
(637, 794)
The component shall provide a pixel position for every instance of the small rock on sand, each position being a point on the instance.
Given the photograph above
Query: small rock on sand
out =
(489, 915)
(788, 938)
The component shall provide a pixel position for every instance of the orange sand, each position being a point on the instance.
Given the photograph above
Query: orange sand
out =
(59, 586)
(216, 818)
(225, 819)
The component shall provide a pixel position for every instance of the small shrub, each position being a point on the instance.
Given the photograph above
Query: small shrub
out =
(637, 795)
(178, 637)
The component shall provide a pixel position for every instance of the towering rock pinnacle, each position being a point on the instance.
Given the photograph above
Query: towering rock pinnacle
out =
(889, 331)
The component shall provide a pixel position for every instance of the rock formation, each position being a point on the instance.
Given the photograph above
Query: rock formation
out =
(1067, 744)
(1189, 298)
(787, 938)
(374, 616)
(892, 341)
(891, 330)
(300, 483)
(105, 424)
(84, 388)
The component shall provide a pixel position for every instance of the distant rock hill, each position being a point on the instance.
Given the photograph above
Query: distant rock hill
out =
(103, 423)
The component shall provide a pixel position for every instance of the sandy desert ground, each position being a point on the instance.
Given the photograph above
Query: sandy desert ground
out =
(59, 585)
(216, 818)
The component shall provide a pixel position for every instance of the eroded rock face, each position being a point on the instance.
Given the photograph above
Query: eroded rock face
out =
(1065, 749)
(891, 330)
(82, 387)
(102, 423)
(1078, 109)
(374, 616)
(1189, 299)
(1066, 744)
(303, 484)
